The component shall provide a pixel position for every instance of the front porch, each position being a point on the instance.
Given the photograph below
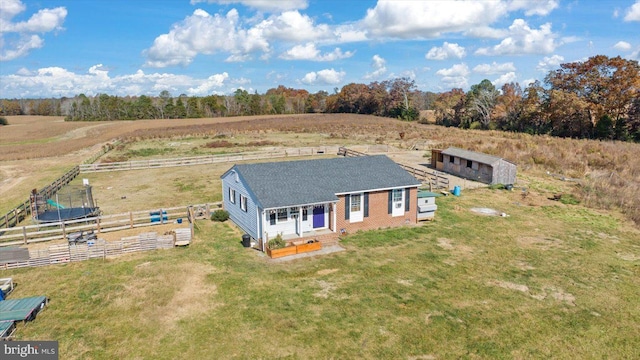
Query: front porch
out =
(299, 224)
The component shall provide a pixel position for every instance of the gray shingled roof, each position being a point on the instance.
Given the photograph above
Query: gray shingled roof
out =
(472, 155)
(292, 183)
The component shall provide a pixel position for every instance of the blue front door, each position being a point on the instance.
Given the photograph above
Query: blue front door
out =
(318, 216)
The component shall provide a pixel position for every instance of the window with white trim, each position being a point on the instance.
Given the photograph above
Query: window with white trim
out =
(232, 195)
(282, 215)
(356, 202)
(398, 202)
(355, 208)
(397, 198)
(243, 203)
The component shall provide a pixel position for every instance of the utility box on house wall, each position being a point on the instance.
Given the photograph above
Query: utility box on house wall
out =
(427, 205)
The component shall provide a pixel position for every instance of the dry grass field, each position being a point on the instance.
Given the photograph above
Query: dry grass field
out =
(607, 173)
(550, 280)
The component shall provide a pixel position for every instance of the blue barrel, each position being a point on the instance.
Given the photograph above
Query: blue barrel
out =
(456, 190)
(155, 216)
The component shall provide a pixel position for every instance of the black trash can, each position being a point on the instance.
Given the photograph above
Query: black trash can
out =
(246, 240)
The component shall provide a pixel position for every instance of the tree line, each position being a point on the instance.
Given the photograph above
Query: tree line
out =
(596, 98)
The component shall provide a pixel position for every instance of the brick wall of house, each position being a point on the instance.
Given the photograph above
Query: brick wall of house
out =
(378, 213)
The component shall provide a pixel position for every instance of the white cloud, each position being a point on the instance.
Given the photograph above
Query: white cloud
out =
(293, 26)
(524, 40)
(379, 67)
(21, 48)
(486, 32)
(23, 33)
(428, 19)
(505, 79)
(207, 87)
(45, 20)
(633, 13)
(622, 45)
(202, 33)
(262, 5)
(455, 76)
(494, 68)
(550, 63)
(11, 8)
(310, 52)
(57, 81)
(539, 7)
(323, 77)
(447, 51)
(348, 34)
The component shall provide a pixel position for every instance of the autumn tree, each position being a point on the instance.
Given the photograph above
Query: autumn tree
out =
(508, 108)
(608, 86)
(449, 107)
(400, 91)
(568, 114)
(532, 119)
(10, 107)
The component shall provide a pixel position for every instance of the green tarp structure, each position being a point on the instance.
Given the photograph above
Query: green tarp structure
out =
(6, 328)
(21, 309)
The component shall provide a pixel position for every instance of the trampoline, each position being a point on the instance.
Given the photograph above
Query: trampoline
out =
(56, 215)
(71, 203)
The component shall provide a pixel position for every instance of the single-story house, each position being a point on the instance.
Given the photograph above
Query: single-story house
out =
(474, 166)
(319, 199)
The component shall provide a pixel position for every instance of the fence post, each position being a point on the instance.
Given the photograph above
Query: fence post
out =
(64, 232)
(131, 219)
(24, 234)
(192, 220)
(98, 225)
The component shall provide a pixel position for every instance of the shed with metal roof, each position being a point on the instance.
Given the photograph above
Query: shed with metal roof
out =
(474, 165)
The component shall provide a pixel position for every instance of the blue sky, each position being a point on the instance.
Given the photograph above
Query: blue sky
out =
(55, 48)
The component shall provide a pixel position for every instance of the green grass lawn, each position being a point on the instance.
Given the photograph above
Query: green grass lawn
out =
(552, 281)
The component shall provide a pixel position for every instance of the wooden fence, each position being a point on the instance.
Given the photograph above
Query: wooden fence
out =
(204, 160)
(435, 179)
(20, 212)
(100, 249)
(30, 234)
